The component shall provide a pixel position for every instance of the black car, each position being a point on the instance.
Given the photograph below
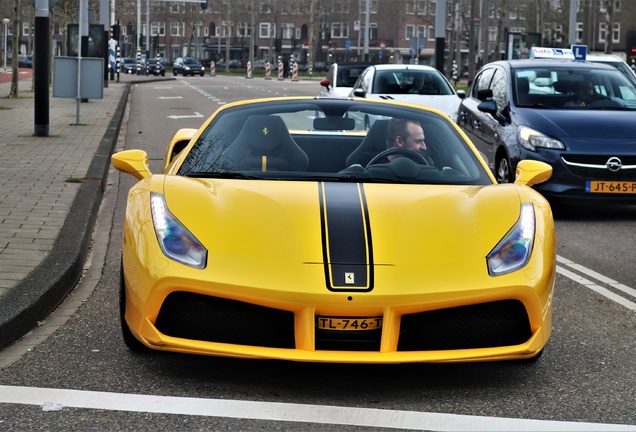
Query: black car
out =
(154, 67)
(528, 109)
(187, 66)
(25, 61)
(128, 66)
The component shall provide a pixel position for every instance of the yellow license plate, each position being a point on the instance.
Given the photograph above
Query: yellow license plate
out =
(349, 323)
(610, 187)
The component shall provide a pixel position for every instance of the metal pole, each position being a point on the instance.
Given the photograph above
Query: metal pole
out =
(5, 21)
(572, 29)
(366, 31)
(41, 60)
(440, 37)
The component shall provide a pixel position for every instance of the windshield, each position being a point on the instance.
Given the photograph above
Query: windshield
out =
(330, 139)
(190, 61)
(404, 81)
(572, 88)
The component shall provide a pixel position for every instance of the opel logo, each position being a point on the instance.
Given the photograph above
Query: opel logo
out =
(614, 164)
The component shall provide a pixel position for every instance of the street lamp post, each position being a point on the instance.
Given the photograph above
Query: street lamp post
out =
(5, 21)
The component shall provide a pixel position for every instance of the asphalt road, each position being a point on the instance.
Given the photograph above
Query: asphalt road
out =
(586, 374)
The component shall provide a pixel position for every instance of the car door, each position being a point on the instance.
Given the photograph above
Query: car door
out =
(492, 127)
(470, 119)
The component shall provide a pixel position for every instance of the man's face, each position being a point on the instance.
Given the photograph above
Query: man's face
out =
(414, 139)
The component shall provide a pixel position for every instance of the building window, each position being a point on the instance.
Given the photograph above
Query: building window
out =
(373, 6)
(26, 29)
(264, 30)
(410, 7)
(492, 34)
(431, 32)
(617, 6)
(158, 28)
(176, 7)
(579, 31)
(432, 7)
(409, 32)
(175, 28)
(421, 31)
(206, 31)
(340, 30)
(340, 6)
(616, 33)
(243, 29)
(513, 13)
(421, 7)
(373, 30)
(288, 31)
(522, 12)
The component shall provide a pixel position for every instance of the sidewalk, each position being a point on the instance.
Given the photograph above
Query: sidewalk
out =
(50, 193)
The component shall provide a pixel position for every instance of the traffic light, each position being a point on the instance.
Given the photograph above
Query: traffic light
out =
(278, 45)
(114, 31)
(204, 4)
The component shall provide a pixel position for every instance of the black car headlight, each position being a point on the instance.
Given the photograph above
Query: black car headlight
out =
(531, 139)
(514, 250)
(175, 240)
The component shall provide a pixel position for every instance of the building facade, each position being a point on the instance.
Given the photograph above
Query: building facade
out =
(399, 31)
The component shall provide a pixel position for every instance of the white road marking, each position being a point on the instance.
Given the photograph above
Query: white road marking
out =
(170, 97)
(58, 399)
(604, 291)
(196, 115)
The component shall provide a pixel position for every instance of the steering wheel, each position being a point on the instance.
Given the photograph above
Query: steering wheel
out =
(412, 155)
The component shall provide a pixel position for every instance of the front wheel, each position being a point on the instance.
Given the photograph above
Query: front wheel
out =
(503, 170)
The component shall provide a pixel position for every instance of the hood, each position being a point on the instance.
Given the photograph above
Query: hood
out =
(339, 229)
(447, 104)
(583, 125)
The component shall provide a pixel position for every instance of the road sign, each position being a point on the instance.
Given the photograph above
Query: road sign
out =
(579, 51)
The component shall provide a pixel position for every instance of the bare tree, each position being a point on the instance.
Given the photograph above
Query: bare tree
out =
(13, 93)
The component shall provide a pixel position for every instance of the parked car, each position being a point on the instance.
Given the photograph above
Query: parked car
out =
(155, 67)
(258, 240)
(25, 61)
(259, 64)
(529, 109)
(402, 83)
(128, 65)
(187, 66)
(341, 78)
(613, 60)
(320, 66)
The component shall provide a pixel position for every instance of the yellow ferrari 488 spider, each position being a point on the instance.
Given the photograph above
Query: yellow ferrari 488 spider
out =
(334, 230)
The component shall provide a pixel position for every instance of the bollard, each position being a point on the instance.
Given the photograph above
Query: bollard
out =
(249, 70)
(280, 71)
(268, 71)
(295, 72)
(212, 68)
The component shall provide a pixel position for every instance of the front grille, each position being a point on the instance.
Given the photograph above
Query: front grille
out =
(495, 324)
(360, 340)
(212, 319)
(597, 170)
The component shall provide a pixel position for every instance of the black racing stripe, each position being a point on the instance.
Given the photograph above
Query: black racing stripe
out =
(346, 237)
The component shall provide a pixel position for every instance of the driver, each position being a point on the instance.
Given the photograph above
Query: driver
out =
(400, 133)
(584, 94)
(406, 134)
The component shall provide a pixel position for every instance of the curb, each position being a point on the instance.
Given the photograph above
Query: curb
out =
(49, 283)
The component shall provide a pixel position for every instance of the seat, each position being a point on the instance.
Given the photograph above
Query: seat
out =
(523, 88)
(371, 145)
(381, 85)
(264, 144)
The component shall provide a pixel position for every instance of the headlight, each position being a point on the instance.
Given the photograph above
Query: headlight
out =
(515, 248)
(531, 139)
(175, 240)
(187, 68)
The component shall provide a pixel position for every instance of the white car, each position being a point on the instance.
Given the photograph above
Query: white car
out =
(612, 60)
(340, 79)
(416, 84)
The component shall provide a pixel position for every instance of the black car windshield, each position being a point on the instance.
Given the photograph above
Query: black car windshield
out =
(563, 87)
(191, 61)
(329, 139)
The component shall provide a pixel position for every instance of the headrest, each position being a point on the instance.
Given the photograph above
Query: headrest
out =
(265, 132)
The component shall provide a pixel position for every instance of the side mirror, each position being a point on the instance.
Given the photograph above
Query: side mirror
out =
(531, 172)
(134, 162)
(488, 106)
(325, 83)
(461, 94)
(359, 93)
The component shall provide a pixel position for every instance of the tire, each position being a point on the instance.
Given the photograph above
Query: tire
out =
(129, 339)
(503, 169)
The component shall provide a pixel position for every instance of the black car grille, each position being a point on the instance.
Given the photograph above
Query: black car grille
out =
(199, 317)
(485, 325)
(212, 319)
(596, 168)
